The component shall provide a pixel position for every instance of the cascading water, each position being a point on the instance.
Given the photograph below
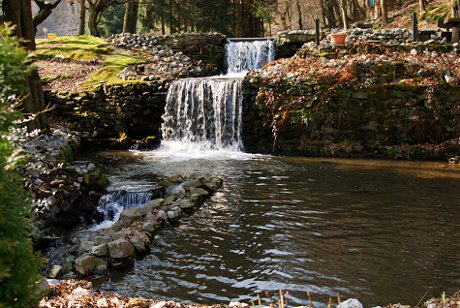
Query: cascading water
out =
(206, 113)
(119, 198)
(243, 56)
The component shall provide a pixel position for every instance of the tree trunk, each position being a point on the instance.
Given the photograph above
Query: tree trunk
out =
(19, 12)
(299, 11)
(162, 18)
(171, 27)
(343, 13)
(323, 12)
(81, 29)
(93, 19)
(130, 18)
(454, 5)
(45, 10)
(422, 4)
(383, 7)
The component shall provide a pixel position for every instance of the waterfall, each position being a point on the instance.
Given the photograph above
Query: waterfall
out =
(111, 205)
(206, 113)
(243, 56)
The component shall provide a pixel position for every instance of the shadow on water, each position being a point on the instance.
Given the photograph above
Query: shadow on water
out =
(380, 231)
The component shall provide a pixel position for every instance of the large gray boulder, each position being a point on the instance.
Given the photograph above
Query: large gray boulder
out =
(120, 249)
(85, 264)
(129, 216)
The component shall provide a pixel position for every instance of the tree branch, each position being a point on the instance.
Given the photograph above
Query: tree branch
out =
(45, 10)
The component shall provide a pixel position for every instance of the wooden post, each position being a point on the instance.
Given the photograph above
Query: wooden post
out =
(317, 31)
(414, 27)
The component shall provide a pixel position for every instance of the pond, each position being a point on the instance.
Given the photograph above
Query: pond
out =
(380, 231)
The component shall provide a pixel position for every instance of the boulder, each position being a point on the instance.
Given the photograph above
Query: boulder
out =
(129, 216)
(100, 250)
(120, 249)
(161, 215)
(138, 243)
(169, 200)
(149, 226)
(55, 270)
(198, 195)
(174, 214)
(85, 264)
(186, 204)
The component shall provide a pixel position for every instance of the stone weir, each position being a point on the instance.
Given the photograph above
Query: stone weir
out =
(96, 250)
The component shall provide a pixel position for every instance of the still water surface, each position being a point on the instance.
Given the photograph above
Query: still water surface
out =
(380, 231)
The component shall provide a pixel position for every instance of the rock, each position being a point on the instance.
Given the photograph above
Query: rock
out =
(174, 215)
(159, 304)
(80, 292)
(149, 226)
(161, 215)
(350, 303)
(198, 195)
(138, 243)
(54, 272)
(85, 264)
(237, 304)
(43, 287)
(156, 203)
(120, 249)
(186, 204)
(102, 303)
(169, 200)
(84, 247)
(129, 216)
(100, 250)
(101, 267)
(52, 282)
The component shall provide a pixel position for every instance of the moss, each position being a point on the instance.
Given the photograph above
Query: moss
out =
(82, 48)
(67, 153)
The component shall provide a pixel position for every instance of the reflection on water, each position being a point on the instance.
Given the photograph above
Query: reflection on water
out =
(380, 231)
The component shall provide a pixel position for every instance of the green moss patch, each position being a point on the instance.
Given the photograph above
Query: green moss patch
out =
(76, 48)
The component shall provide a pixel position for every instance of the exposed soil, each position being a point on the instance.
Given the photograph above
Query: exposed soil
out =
(65, 75)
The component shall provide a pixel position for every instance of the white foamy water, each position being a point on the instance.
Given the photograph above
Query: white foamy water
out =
(242, 56)
(203, 116)
(204, 113)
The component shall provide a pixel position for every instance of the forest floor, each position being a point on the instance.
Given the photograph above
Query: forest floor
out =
(402, 17)
(80, 293)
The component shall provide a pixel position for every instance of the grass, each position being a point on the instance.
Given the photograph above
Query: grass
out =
(111, 67)
(76, 48)
(89, 48)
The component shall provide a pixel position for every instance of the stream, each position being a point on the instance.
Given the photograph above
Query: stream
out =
(380, 231)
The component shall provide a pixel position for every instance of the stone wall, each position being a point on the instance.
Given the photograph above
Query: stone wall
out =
(382, 104)
(206, 47)
(118, 111)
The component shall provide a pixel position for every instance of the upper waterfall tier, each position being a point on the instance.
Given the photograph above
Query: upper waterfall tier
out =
(242, 56)
(205, 112)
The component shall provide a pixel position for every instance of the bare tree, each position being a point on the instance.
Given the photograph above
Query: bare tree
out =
(45, 8)
(19, 13)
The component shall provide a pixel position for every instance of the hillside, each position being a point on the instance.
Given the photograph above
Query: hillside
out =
(402, 18)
